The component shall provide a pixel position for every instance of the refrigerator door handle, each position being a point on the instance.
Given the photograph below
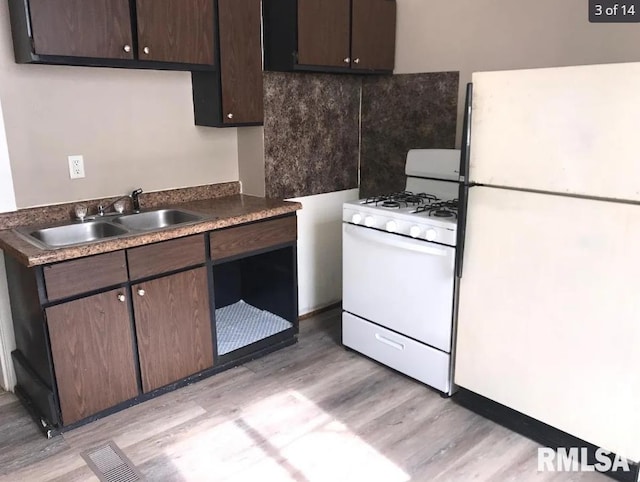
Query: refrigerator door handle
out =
(466, 136)
(463, 198)
(463, 192)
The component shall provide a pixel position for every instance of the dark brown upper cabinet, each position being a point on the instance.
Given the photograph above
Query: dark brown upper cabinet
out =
(233, 96)
(178, 31)
(323, 32)
(354, 36)
(167, 34)
(373, 34)
(77, 28)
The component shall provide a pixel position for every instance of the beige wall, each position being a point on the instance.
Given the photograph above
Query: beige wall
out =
(480, 35)
(251, 160)
(135, 129)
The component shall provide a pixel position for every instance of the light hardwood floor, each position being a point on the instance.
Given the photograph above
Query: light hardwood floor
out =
(310, 412)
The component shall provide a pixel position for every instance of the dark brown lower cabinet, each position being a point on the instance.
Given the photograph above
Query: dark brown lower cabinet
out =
(92, 350)
(144, 321)
(173, 324)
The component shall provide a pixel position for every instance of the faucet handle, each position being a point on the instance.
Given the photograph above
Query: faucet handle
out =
(80, 211)
(118, 206)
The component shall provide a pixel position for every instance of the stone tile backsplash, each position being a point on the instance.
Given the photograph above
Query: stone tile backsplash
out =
(311, 133)
(322, 131)
(402, 112)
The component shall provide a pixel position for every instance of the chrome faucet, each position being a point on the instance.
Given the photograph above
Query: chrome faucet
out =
(134, 199)
(118, 207)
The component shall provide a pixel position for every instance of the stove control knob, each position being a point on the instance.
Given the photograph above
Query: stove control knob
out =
(415, 231)
(356, 218)
(431, 235)
(369, 221)
(392, 226)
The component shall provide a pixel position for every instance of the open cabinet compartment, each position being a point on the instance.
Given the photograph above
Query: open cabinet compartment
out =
(255, 299)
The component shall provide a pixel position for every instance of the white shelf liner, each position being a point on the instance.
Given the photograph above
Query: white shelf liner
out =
(241, 324)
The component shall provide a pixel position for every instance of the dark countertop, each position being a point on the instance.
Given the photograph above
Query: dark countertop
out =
(221, 212)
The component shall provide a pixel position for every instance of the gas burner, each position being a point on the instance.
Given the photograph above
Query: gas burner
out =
(443, 213)
(390, 204)
(440, 209)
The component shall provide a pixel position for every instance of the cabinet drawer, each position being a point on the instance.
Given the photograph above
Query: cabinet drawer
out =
(252, 237)
(166, 256)
(86, 274)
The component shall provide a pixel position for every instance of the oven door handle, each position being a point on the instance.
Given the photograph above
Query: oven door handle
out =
(393, 240)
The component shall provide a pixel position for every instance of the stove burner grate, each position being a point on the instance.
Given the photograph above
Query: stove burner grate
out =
(440, 209)
(402, 199)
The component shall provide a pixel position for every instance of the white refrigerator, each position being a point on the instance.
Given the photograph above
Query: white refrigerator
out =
(549, 307)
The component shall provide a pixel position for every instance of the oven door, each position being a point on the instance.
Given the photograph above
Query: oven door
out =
(400, 283)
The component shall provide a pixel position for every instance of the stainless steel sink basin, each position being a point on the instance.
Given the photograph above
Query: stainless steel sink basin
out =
(161, 218)
(72, 234)
(99, 228)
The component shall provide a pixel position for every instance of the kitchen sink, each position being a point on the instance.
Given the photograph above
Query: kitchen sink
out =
(98, 228)
(72, 234)
(161, 218)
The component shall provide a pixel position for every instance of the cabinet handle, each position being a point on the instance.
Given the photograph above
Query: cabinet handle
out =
(121, 298)
(356, 61)
(146, 50)
(347, 60)
(230, 116)
(141, 292)
(127, 48)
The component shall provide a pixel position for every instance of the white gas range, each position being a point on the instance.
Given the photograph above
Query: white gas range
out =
(399, 283)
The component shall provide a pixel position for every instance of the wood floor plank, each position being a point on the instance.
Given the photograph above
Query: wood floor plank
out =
(135, 424)
(6, 398)
(310, 412)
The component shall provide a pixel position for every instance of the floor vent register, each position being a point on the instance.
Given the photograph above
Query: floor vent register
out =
(111, 465)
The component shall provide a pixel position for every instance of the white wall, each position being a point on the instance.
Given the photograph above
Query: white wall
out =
(134, 127)
(471, 36)
(251, 160)
(7, 203)
(320, 249)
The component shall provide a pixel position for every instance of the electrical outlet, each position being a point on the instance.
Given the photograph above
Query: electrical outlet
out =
(76, 167)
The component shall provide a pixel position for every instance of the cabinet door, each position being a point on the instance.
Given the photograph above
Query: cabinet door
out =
(173, 323)
(92, 349)
(178, 31)
(240, 61)
(323, 32)
(373, 41)
(82, 28)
